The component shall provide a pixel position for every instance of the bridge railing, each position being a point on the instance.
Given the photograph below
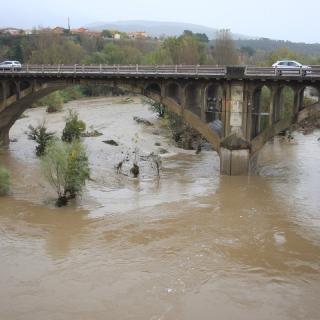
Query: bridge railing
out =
(120, 69)
(271, 71)
(188, 70)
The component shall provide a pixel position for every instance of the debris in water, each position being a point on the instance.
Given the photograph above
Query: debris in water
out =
(163, 151)
(111, 142)
(143, 121)
(91, 134)
(135, 170)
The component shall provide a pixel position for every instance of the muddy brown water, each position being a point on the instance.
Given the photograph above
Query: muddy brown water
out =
(192, 245)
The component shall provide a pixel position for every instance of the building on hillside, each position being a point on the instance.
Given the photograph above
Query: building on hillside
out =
(79, 30)
(28, 31)
(138, 35)
(59, 30)
(117, 36)
(12, 31)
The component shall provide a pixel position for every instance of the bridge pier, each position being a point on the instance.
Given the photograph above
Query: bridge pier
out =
(234, 148)
(234, 162)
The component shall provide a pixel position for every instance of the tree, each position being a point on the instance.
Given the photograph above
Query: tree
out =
(66, 168)
(106, 33)
(186, 49)
(74, 127)
(114, 54)
(49, 48)
(53, 102)
(281, 54)
(41, 136)
(248, 50)
(225, 52)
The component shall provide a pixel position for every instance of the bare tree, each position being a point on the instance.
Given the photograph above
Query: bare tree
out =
(225, 52)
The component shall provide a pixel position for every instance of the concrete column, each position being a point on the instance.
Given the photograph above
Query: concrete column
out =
(235, 149)
(272, 105)
(236, 109)
(18, 89)
(224, 110)
(203, 104)
(275, 105)
(248, 104)
(301, 97)
(234, 162)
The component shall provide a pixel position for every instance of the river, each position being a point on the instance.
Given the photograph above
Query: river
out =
(190, 245)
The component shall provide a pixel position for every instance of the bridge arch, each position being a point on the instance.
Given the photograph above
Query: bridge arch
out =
(12, 89)
(154, 88)
(260, 109)
(173, 91)
(214, 105)
(286, 103)
(24, 84)
(193, 98)
(309, 95)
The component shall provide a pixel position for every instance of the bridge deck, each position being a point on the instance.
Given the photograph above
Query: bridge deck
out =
(177, 71)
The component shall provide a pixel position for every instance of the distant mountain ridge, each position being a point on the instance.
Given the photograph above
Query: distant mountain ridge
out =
(158, 28)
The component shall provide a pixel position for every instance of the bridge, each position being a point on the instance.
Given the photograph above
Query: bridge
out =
(226, 104)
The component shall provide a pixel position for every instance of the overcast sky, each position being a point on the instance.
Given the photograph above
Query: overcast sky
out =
(278, 19)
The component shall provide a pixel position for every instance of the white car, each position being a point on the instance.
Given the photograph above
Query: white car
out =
(10, 65)
(290, 65)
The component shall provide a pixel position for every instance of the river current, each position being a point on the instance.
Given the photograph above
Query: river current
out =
(190, 245)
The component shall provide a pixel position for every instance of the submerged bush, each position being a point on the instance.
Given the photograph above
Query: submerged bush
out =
(41, 136)
(73, 128)
(4, 181)
(66, 167)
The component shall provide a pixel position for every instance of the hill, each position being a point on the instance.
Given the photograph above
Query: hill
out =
(157, 28)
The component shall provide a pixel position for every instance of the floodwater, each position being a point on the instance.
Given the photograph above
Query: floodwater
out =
(190, 245)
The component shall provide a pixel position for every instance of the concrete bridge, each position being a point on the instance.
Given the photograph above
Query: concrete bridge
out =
(227, 105)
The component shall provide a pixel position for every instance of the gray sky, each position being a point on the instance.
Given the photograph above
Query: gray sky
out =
(278, 19)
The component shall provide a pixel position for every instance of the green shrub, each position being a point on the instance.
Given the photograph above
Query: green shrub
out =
(4, 181)
(73, 128)
(156, 107)
(41, 136)
(72, 93)
(53, 102)
(66, 167)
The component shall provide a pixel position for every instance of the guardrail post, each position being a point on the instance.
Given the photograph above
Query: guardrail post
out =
(276, 70)
(176, 69)
(42, 68)
(197, 69)
(118, 68)
(27, 68)
(137, 68)
(100, 68)
(75, 68)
